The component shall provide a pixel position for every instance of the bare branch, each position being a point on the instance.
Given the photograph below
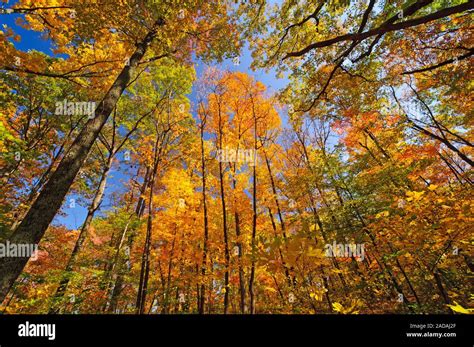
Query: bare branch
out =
(446, 62)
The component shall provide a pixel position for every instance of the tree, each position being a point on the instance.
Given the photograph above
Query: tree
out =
(35, 222)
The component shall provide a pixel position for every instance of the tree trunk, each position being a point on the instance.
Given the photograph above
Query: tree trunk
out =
(254, 225)
(224, 222)
(61, 290)
(202, 300)
(145, 266)
(43, 210)
(116, 285)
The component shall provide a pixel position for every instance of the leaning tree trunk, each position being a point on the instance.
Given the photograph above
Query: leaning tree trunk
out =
(43, 210)
(61, 290)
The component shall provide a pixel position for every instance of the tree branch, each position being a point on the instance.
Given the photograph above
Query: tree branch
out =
(385, 29)
(446, 62)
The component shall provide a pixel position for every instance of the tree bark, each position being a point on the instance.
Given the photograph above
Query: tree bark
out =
(97, 200)
(145, 266)
(224, 220)
(43, 210)
(202, 300)
(254, 224)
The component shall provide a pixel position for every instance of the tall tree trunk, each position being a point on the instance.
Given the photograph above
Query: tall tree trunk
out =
(145, 266)
(96, 201)
(116, 284)
(224, 221)
(226, 241)
(254, 224)
(282, 221)
(167, 291)
(242, 290)
(283, 263)
(43, 210)
(202, 300)
(240, 265)
(33, 194)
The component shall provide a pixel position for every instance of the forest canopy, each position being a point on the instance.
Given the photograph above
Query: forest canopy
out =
(253, 157)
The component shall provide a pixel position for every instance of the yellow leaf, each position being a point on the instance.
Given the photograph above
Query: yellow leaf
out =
(337, 307)
(414, 195)
(458, 308)
(382, 214)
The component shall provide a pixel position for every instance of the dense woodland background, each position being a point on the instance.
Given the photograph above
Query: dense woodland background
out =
(369, 143)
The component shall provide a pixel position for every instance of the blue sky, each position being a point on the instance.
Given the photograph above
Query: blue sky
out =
(75, 216)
